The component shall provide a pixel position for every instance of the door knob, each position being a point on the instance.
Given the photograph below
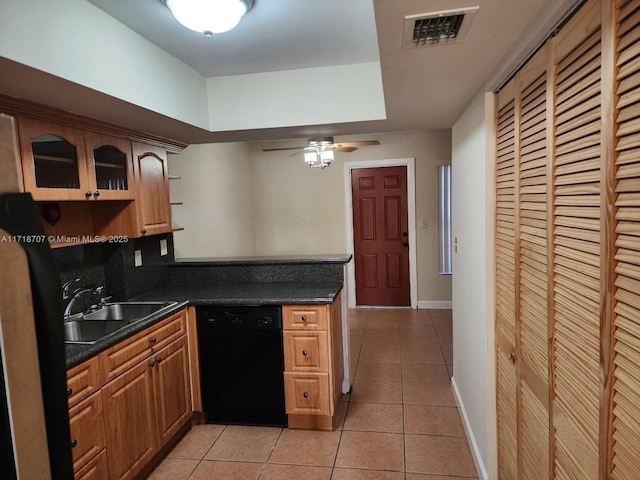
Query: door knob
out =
(405, 234)
(405, 244)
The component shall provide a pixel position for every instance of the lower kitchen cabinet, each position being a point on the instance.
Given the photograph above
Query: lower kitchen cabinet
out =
(96, 469)
(129, 416)
(87, 430)
(172, 389)
(313, 364)
(121, 425)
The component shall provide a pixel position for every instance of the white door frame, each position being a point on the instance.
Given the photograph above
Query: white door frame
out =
(411, 213)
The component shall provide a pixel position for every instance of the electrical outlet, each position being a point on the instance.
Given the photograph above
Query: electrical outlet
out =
(425, 224)
(137, 261)
(455, 244)
(163, 247)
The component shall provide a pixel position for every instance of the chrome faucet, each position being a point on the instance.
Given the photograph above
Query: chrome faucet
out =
(78, 293)
(66, 288)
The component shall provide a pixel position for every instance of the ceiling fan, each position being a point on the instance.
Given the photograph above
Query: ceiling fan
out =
(319, 151)
(327, 143)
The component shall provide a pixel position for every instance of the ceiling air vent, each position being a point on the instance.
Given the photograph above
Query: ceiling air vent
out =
(437, 27)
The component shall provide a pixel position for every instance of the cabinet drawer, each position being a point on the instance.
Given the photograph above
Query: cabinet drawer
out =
(306, 352)
(304, 317)
(307, 394)
(87, 430)
(96, 469)
(129, 352)
(83, 380)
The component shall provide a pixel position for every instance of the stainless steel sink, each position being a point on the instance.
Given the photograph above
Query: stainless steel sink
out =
(91, 327)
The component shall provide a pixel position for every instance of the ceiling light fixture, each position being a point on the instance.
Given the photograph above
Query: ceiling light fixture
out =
(319, 153)
(209, 16)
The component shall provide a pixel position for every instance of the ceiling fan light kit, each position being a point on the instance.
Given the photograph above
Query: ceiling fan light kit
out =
(319, 151)
(209, 16)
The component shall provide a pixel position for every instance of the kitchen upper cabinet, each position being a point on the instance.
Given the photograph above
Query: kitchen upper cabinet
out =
(110, 165)
(63, 163)
(54, 165)
(153, 210)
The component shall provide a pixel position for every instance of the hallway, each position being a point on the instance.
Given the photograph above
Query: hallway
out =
(400, 421)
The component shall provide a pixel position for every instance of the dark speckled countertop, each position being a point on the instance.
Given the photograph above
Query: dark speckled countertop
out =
(257, 293)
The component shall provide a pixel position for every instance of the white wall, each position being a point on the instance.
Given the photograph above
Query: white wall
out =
(472, 263)
(335, 94)
(217, 211)
(75, 40)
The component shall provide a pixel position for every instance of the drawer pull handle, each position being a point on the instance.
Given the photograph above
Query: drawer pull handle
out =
(153, 340)
(303, 318)
(74, 443)
(304, 352)
(69, 392)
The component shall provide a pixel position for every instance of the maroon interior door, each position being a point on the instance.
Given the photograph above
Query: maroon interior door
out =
(380, 232)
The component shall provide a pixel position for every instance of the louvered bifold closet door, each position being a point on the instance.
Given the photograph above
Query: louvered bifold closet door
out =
(532, 307)
(625, 430)
(505, 280)
(576, 245)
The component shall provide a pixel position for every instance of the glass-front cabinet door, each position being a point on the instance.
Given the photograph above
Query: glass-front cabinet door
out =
(110, 167)
(64, 163)
(53, 161)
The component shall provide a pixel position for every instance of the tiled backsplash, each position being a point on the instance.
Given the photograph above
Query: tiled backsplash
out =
(112, 265)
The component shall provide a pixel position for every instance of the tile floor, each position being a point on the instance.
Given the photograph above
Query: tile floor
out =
(400, 421)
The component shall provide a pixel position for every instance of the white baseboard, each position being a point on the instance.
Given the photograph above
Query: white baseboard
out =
(435, 305)
(475, 452)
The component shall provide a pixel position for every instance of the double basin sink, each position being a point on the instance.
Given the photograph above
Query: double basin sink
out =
(90, 327)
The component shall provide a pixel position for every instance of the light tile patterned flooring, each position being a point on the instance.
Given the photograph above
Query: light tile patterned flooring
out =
(400, 421)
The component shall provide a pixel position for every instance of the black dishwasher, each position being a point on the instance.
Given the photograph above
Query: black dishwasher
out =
(242, 364)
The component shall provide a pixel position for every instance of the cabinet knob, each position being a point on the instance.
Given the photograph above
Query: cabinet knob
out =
(305, 395)
(303, 318)
(512, 357)
(304, 352)
(87, 194)
(153, 340)
(152, 364)
(74, 443)
(144, 231)
(96, 194)
(69, 392)
(158, 360)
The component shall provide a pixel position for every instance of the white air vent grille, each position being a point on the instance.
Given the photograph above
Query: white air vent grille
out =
(437, 27)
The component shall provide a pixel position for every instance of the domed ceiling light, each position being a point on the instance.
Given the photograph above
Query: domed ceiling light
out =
(209, 16)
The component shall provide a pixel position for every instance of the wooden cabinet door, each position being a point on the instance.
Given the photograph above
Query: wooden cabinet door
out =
(130, 423)
(109, 167)
(152, 190)
(96, 469)
(53, 161)
(173, 389)
(87, 430)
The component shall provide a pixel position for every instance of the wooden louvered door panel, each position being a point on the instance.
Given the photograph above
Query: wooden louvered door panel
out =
(576, 246)
(625, 414)
(532, 282)
(505, 280)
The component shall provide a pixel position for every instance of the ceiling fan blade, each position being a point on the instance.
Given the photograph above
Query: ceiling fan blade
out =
(361, 143)
(342, 148)
(283, 148)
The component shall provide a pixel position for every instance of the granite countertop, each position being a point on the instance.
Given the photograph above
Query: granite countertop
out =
(258, 293)
(248, 293)
(266, 260)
